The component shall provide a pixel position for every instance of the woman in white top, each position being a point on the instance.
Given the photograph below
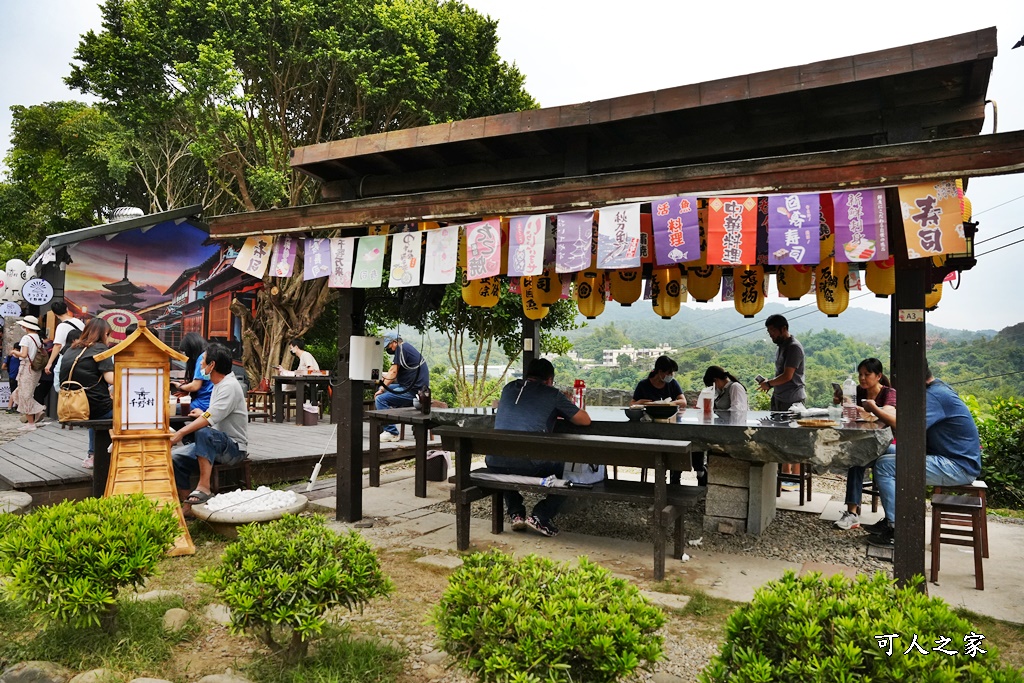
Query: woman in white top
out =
(306, 362)
(28, 379)
(729, 393)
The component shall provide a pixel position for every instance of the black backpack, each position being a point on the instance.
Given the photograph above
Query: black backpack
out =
(73, 334)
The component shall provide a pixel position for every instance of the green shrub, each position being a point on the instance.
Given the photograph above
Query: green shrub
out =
(67, 562)
(1002, 453)
(286, 574)
(815, 629)
(533, 620)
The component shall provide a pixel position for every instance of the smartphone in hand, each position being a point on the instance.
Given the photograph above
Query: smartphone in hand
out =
(760, 379)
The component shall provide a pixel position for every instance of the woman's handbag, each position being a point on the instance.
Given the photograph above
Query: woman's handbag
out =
(39, 360)
(72, 401)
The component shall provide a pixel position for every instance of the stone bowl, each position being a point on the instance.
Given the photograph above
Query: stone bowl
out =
(661, 411)
(634, 413)
(226, 522)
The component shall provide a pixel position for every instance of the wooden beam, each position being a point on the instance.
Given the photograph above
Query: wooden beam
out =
(886, 165)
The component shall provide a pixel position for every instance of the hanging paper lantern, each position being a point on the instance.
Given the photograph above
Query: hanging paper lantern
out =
(590, 288)
(932, 297)
(794, 281)
(626, 285)
(532, 306)
(832, 287)
(704, 282)
(749, 294)
(666, 290)
(880, 277)
(549, 287)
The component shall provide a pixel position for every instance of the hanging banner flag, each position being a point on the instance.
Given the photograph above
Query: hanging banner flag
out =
(526, 245)
(442, 256)
(676, 230)
(728, 288)
(860, 226)
(618, 237)
(317, 258)
(282, 263)
(254, 256)
(342, 251)
(646, 239)
(732, 230)
(483, 249)
(369, 266)
(574, 233)
(406, 248)
(793, 229)
(932, 219)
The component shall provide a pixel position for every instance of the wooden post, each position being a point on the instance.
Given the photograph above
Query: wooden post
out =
(531, 342)
(348, 404)
(908, 360)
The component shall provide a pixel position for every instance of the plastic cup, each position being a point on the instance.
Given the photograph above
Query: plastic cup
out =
(707, 406)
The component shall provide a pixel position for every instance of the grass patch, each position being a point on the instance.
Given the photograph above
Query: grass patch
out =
(334, 658)
(139, 647)
(1007, 512)
(1005, 635)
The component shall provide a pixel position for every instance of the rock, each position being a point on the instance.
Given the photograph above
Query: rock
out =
(96, 676)
(434, 657)
(445, 561)
(175, 619)
(153, 596)
(226, 677)
(16, 502)
(149, 680)
(433, 672)
(219, 614)
(36, 672)
(667, 600)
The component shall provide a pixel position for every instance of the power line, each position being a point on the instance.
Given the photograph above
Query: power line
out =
(1008, 201)
(991, 251)
(995, 237)
(978, 379)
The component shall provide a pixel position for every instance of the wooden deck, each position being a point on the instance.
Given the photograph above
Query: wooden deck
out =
(47, 462)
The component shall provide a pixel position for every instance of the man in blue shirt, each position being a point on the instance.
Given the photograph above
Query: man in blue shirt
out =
(407, 376)
(532, 405)
(953, 450)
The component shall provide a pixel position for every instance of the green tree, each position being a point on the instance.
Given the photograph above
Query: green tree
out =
(242, 82)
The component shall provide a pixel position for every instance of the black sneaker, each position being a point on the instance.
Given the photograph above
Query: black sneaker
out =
(885, 537)
(878, 527)
(542, 526)
(518, 522)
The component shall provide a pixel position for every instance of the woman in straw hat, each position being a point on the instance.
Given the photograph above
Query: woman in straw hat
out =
(31, 344)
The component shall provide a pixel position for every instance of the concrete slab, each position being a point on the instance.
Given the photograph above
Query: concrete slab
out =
(827, 570)
(427, 523)
(790, 500)
(666, 600)
(735, 577)
(444, 561)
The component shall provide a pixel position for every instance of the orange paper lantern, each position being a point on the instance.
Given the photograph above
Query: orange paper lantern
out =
(549, 287)
(932, 297)
(704, 282)
(666, 290)
(880, 277)
(590, 289)
(749, 294)
(626, 285)
(794, 281)
(532, 306)
(832, 287)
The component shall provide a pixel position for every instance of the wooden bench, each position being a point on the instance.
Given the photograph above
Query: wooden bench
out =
(668, 502)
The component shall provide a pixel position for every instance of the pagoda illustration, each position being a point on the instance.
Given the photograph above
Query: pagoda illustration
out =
(125, 292)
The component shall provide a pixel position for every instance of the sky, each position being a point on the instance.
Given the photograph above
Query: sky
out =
(574, 51)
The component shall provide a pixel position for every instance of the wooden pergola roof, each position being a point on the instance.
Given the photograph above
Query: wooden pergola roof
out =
(869, 119)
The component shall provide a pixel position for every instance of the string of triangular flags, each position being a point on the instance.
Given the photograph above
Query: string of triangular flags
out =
(776, 230)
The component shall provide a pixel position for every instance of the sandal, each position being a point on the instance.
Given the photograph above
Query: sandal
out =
(197, 497)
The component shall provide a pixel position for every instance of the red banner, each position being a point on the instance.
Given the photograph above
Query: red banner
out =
(732, 231)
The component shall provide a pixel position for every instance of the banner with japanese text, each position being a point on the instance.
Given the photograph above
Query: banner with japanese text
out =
(254, 256)
(932, 219)
(676, 230)
(860, 226)
(526, 245)
(317, 258)
(442, 256)
(405, 259)
(342, 252)
(732, 231)
(618, 237)
(728, 288)
(369, 267)
(574, 234)
(483, 249)
(793, 221)
(282, 264)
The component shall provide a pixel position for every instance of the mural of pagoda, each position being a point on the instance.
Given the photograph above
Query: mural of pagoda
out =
(125, 294)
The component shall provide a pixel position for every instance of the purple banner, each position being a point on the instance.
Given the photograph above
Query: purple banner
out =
(861, 232)
(793, 229)
(575, 234)
(676, 232)
(282, 263)
(317, 260)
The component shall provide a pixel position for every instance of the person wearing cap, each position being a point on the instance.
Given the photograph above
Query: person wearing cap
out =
(28, 379)
(407, 376)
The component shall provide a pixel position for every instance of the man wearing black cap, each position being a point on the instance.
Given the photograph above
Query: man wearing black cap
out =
(408, 375)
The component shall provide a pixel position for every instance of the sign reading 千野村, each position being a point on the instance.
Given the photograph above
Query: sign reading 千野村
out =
(933, 219)
(37, 291)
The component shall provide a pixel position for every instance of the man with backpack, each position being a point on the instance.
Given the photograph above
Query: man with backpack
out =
(67, 331)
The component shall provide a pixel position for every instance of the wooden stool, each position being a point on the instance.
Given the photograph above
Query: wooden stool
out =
(977, 488)
(259, 405)
(871, 489)
(948, 526)
(241, 467)
(802, 478)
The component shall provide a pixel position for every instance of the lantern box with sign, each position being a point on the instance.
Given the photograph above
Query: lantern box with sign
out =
(37, 292)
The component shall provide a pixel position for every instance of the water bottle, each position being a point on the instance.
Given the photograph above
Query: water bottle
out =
(849, 399)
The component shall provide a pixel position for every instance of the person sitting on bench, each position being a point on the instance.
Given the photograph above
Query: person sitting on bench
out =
(532, 405)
